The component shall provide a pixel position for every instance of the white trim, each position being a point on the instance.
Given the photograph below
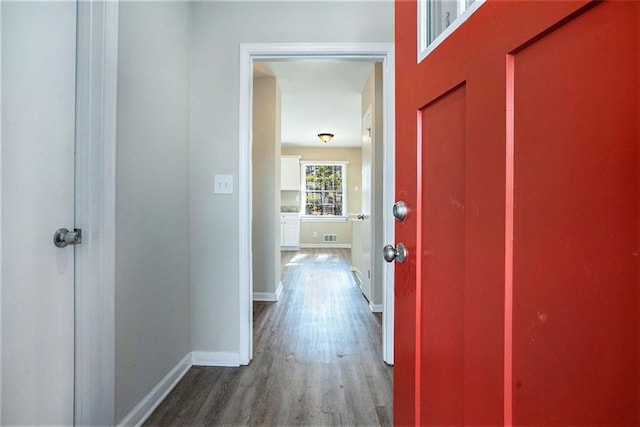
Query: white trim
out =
(303, 190)
(141, 412)
(357, 274)
(324, 162)
(289, 248)
(249, 52)
(1, 110)
(96, 92)
(216, 358)
(424, 47)
(326, 246)
(245, 333)
(376, 308)
(269, 296)
(388, 199)
(326, 218)
(421, 28)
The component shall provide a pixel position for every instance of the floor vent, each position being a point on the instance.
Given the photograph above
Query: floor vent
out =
(328, 238)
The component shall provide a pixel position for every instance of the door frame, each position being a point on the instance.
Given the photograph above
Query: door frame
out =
(382, 52)
(1, 245)
(95, 208)
(371, 208)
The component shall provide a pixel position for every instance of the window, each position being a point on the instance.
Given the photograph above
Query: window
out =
(439, 18)
(324, 189)
(441, 14)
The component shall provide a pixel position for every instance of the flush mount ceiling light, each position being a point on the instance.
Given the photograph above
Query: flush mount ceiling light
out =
(325, 137)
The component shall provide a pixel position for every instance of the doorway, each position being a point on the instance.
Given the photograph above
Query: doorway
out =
(375, 52)
(322, 196)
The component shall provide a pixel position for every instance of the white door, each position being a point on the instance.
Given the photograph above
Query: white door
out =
(366, 223)
(38, 126)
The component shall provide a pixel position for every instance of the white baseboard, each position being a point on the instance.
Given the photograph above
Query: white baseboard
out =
(357, 274)
(376, 308)
(268, 296)
(326, 245)
(216, 358)
(150, 402)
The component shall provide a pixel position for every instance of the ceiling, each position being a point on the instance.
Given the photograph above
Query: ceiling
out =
(319, 96)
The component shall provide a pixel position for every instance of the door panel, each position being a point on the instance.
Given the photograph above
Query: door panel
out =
(366, 224)
(443, 292)
(523, 306)
(575, 213)
(38, 125)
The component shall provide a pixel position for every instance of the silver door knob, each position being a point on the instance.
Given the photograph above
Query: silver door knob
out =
(398, 254)
(63, 237)
(400, 210)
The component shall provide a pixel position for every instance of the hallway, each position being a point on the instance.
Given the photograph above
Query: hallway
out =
(317, 358)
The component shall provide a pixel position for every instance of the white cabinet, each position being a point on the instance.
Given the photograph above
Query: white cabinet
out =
(290, 173)
(290, 231)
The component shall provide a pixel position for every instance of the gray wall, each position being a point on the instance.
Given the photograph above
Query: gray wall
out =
(218, 29)
(152, 219)
(266, 184)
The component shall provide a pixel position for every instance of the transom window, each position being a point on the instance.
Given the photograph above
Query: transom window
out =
(324, 189)
(437, 19)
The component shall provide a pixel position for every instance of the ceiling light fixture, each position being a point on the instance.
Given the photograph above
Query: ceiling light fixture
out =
(325, 137)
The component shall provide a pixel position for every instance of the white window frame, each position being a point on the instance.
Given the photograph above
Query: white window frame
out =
(303, 192)
(464, 12)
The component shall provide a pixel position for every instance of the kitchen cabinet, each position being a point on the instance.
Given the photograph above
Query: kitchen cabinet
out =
(290, 173)
(290, 231)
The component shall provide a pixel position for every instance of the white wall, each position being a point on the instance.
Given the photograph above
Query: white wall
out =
(266, 185)
(218, 29)
(152, 218)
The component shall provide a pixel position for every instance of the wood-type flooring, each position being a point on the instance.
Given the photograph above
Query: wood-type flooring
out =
(317, 358)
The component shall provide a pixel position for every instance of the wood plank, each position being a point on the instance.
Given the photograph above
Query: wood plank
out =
(317, 358)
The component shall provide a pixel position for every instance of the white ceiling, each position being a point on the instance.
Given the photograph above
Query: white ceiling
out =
(319, 96)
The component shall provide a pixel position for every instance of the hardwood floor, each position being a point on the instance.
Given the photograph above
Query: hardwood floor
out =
(317, 358)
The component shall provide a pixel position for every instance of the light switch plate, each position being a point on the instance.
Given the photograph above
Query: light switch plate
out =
(223, 184)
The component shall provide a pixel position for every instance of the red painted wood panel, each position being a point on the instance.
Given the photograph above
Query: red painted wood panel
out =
(443, 290)
(406, 342)
(478, 56)
(484, 247)
(575, 223)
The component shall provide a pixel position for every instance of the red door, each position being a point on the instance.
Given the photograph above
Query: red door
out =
(517, 154)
